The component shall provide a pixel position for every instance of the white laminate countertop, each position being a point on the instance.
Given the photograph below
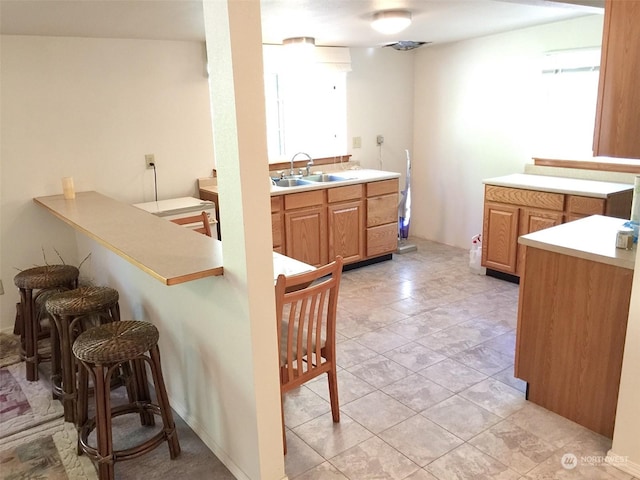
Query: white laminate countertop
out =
(571, 186)
(351, 177)
(288, 266)
(166, 251)
(591, 238)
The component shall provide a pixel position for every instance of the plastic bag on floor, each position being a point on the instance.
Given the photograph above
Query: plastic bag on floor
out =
(475, 255)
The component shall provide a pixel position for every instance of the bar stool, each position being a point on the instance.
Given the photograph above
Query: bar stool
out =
(72, 312)
(101, 350)
(35, 284)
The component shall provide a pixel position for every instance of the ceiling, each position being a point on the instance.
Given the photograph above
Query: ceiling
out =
(330, 22)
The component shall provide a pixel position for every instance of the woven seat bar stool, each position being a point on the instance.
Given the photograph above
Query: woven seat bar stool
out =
(34, 285)
(101, 350)
(73, 312)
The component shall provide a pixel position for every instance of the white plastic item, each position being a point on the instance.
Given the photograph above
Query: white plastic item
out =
(475, 255)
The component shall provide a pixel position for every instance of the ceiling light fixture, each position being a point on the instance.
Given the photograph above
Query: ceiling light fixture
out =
(391, 21)
(299, 51)
(305, 42)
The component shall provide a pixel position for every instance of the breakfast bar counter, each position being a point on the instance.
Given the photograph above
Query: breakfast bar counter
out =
(168, 252)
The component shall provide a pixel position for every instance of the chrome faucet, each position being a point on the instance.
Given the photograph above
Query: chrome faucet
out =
(309, 163)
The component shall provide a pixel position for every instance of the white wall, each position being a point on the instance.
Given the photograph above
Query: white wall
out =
(92, 108)
(380, 102)
(626, 439)
(472, 120)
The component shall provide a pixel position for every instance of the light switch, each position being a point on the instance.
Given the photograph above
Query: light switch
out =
(357, 142)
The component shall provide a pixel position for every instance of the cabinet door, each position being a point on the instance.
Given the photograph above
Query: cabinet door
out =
(500, 237)
(305, 235)
(346, 231)
(533, 221)
(617, 131)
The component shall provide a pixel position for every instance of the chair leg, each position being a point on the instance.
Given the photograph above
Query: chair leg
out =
(69, 394)
(82, 405)
(30, 335)
(56, 362)
(103, 424)
(284, 432)
(17, 324)
(333, 393)
(163, 402)
(135, 376)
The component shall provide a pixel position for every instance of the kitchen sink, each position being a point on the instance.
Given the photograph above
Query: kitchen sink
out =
(308, 180)
(323, 177)
(291, 182)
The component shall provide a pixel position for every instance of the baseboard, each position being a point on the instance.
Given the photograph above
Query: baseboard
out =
(622, 463)
(503, 276)
(370, 261)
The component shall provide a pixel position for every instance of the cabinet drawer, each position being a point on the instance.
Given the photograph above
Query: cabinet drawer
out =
(585, 205)
(303, 199)
(340, 194)
(382, 239)
(527, 198)
(276, 203)
(383, 187)
(381, 210)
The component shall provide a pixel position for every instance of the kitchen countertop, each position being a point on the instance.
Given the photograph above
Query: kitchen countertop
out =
(571, 186)
(351, 177)
(591, 238)
(168, 252)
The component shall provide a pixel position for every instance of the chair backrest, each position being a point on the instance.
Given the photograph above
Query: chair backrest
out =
(200, 222)
(306, 319)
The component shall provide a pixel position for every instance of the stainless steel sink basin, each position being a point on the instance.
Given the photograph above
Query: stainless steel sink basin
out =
(323, 177)
(290, 182)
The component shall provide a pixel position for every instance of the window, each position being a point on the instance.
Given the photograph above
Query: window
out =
(306, 108)
(569, 91)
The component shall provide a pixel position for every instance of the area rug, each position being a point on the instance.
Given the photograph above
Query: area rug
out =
(9, 349)
(46, 451)
(24, 404)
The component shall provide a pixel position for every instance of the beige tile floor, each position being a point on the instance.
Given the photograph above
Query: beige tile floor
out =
(425, 354)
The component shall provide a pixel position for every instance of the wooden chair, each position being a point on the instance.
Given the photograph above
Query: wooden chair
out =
(306, 319)
(201, 218)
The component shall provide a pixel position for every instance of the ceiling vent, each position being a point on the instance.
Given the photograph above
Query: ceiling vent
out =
(405, 45)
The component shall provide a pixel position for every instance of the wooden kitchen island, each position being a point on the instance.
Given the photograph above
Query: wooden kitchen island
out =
(572, 319)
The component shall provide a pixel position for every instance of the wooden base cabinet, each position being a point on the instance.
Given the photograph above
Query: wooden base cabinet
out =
(358, 222)
(512, 212)
(572, 321)
(509, 213)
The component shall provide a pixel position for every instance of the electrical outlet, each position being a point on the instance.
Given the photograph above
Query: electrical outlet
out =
(150, 160)
(357, 142)
(379, 140)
